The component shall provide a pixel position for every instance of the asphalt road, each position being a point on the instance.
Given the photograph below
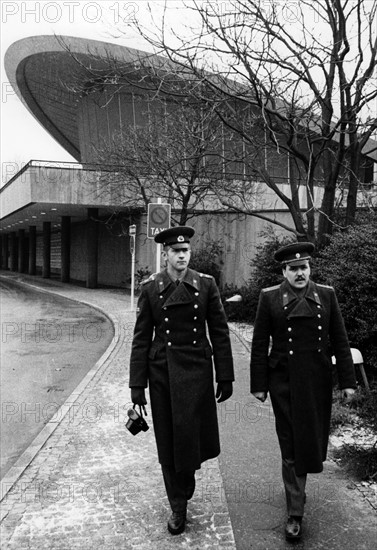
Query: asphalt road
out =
(48, 344)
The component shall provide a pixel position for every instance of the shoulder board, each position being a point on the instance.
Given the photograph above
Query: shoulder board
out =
(150, 278)
(205, 275)
(325, 286)
(270, 288)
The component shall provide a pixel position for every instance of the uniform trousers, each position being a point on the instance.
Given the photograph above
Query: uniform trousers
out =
(294, 484)
(180, 487)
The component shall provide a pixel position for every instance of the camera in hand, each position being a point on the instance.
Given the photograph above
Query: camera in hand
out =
(136, 423)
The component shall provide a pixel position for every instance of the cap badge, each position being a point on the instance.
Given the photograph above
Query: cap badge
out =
(298, 255)
(180, 238)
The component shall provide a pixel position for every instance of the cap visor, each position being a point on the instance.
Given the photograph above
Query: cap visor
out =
(295, 262)
(180, 246)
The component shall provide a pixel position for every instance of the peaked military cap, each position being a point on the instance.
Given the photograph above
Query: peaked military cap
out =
(295, 252)
(175, 236)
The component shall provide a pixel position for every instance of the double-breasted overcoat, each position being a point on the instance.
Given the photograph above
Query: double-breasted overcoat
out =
(180, 333)
(293, 343)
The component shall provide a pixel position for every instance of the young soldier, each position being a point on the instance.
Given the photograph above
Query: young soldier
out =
(171, 353)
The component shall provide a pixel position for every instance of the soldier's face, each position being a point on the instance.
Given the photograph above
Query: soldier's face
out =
(297, 275)
(177, 259)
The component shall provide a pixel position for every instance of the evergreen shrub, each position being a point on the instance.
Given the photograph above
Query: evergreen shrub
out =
(349, 264)
(208, 259)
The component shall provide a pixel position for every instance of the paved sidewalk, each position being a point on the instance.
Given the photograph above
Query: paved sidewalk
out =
(85, 482)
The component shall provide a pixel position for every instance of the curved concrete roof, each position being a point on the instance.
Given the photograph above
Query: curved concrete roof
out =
(46, 71)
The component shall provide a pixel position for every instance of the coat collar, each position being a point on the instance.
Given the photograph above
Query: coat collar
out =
(288, 295)
(312, 293)
(163, 281)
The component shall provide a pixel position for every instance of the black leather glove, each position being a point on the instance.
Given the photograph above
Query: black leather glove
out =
(224, 391)
(138, 396)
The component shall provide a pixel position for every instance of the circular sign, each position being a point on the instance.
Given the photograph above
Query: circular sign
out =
(159, 215)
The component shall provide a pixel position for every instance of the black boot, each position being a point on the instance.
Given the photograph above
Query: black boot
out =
(293, 528)
(177, 522)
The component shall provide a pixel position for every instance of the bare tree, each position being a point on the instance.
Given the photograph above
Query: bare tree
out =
(306, 71)
(177, 155)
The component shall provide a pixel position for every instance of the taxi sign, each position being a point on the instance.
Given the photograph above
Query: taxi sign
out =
(158, 218)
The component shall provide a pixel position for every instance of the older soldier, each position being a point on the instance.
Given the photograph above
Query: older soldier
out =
(171, 351)
(306, 326)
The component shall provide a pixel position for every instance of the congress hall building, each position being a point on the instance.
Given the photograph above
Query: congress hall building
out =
(59, 219)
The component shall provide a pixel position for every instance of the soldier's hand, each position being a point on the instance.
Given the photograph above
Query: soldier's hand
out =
(224, 391)
(261, 395)
(138, 396)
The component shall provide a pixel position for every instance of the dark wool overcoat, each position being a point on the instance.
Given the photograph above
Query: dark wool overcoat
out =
(171, 352)
(293, 342)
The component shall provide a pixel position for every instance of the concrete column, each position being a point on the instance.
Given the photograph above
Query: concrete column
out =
(5, 250)
(92, 248)
(32, 250)
(21, 251)
(46, 267)
(13, 251)
(65, 249)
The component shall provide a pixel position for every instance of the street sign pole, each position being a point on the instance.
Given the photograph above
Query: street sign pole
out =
(132, 234)
(158, 249)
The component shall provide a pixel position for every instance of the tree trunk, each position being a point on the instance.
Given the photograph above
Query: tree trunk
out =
(353, 183)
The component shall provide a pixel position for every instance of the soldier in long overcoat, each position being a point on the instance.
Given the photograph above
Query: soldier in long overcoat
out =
(173, 354)
(298, 327)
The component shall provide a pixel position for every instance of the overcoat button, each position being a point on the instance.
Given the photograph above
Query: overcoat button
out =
(319, 327)
(169, 343)
(194, 342)
(196, 306)
(195, 318)
(166, 319)
(168, 331)
(290, 352)
(196, 293)
(194, 329)
(319, 315)
(289, 329)
(290, 340)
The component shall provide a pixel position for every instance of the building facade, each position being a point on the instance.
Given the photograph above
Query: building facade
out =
(58, 219)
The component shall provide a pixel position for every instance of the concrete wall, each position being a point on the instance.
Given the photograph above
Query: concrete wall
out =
(238, 235)
(78, 251)
(114, 258)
